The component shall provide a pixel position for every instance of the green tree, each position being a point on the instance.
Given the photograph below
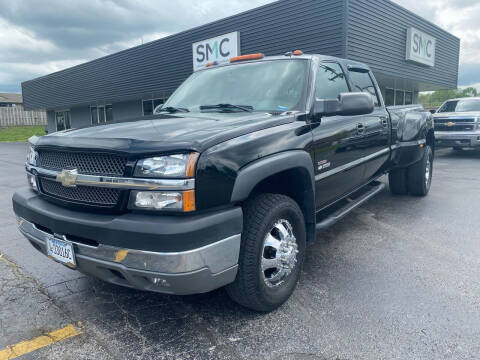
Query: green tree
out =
(468, 92)
(436, 98)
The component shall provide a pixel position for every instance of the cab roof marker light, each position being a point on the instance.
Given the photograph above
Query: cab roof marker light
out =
(247, 57)
(298, 52)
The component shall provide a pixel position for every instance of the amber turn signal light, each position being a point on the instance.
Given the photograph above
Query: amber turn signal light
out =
(298, 52)
(189, 200)
(247, 57)
(191, 162)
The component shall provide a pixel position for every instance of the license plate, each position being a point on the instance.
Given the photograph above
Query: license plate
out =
(61, 251)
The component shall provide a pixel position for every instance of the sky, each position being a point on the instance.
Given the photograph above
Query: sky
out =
(39, 37)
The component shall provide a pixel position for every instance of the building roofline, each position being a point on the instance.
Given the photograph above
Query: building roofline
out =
(156, 40)
(221, 20)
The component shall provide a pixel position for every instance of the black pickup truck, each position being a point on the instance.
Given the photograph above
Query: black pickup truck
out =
(227, 183)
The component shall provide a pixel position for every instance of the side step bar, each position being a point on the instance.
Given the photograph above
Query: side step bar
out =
(331, 219)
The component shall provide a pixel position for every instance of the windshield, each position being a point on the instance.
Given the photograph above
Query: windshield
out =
(259, 86)
(460, 106)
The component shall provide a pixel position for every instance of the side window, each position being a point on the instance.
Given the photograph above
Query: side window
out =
(330, 81)
(362, 81)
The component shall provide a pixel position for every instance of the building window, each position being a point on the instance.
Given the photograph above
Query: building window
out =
(101, 114)
(62, 120)
(157, 102)
(408, 98)
(389, 97)
(362, 81)
(147, 107)
(108, 113)
(330, 81)
(94, 115)
(399, 97)
(150, 105)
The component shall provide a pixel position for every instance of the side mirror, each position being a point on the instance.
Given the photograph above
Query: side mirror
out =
(433, 111)
(358, 103)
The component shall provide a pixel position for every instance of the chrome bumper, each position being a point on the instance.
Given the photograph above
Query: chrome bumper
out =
(456, 138)
(189, 272)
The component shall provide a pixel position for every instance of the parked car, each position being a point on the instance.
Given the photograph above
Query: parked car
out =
(457, 123)
(228, 182)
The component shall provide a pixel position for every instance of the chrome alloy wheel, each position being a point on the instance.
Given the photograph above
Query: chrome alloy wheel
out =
(279, 253)
(427, 172)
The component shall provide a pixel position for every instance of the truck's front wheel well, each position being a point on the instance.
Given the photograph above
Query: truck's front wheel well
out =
(296, 184)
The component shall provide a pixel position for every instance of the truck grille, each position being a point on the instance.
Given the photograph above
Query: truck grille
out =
(85, 163)
(455, 124)
(104, 197)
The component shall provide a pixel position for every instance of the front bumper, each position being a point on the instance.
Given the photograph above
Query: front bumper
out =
(457, 139)
(147, 261)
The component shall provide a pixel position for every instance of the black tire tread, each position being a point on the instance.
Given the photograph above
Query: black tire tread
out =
(416, 175)
(244, 290)
(397, 181)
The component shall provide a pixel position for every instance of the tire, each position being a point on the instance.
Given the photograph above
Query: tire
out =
(418, 183)
(397, 181)
(263, 215)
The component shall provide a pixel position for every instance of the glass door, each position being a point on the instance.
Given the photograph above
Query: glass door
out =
(62, 119)
(101, 114)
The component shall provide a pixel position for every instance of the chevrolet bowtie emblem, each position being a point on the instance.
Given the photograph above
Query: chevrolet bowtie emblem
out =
(67, 177)
(450, 123)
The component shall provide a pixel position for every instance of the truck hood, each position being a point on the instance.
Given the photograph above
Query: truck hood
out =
(163, 133)
(457, 114)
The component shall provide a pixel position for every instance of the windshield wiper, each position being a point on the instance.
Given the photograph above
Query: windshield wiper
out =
(247, 108)
(172, 109)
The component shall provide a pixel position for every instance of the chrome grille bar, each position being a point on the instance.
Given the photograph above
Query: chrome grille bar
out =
(118, 182)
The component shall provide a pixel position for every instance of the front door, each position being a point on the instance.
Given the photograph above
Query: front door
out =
(338, 142)
(376, 125)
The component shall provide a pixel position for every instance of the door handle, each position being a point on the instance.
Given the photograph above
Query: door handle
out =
(360, 128)
(384, 122)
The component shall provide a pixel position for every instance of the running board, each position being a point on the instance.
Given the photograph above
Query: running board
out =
(331, 219)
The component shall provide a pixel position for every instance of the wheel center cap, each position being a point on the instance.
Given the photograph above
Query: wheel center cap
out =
(280, 251)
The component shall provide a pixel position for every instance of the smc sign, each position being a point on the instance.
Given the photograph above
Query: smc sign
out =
(420, 47)
(220, 49)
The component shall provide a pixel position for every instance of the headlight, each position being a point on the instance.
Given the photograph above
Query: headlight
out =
(168, 166)
(32, 156)
(163, 200)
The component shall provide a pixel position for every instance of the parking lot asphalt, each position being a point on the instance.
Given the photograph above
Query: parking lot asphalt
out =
(396, 279)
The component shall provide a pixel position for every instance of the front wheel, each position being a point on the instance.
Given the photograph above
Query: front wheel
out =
(420, 174)
(271, 253)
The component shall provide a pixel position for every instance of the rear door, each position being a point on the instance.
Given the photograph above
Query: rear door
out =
(376, 126)
(338, 142)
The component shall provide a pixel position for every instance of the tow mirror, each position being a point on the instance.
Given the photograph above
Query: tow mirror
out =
(347, 104)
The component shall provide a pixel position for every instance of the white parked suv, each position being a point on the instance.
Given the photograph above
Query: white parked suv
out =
(457, 123)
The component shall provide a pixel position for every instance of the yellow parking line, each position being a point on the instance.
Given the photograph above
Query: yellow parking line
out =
(25, 347)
